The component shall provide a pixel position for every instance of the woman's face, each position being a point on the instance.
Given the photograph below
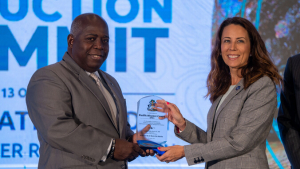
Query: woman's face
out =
(235, 46)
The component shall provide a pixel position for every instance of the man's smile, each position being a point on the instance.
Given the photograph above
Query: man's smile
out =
(95, 56)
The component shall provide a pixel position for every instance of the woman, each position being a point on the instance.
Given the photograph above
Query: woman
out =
(241, 87)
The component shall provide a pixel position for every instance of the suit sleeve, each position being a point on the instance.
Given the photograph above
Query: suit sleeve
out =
(129, 132)
(252, 127)
(49, 106)
(287, 115)
(192, 133)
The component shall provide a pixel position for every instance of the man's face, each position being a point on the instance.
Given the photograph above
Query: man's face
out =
(90, 46)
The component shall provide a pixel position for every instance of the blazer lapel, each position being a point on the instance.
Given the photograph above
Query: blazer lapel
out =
(210, 117)
(88, 82)
(92, 86)
(113, 89)
(238, 88)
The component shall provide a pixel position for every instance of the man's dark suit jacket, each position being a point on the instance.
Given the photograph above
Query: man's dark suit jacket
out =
(72, 118)
(289, 111)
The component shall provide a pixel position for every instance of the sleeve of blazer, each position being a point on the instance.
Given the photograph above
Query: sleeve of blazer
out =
(129, 132)
(49, 105)
(192, 133)
(252, 127)
(287, 115)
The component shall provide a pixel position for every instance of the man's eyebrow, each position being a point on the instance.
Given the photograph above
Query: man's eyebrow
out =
(91, 34)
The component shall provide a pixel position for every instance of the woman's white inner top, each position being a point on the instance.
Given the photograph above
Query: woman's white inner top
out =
(225, 95)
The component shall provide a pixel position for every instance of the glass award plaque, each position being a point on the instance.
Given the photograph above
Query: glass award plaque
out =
(156, 136)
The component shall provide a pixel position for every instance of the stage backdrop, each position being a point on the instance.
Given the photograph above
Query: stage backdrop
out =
(157, 47)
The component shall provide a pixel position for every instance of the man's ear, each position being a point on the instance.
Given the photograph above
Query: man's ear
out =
(70, 40)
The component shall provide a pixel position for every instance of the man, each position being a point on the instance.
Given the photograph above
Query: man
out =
(78, 110)
(289, 111)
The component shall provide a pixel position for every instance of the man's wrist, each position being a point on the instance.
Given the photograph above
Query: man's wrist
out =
(112, 149)
(130, 138)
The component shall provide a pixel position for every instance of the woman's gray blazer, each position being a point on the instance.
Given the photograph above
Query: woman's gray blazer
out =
(238, 137)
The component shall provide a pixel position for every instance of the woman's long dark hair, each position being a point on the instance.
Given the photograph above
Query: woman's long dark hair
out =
(259, 64)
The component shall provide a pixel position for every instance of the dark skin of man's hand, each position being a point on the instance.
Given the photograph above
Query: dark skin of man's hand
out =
(129, 150)
(125, 150)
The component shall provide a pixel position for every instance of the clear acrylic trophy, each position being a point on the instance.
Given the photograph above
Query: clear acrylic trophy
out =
(148, 115)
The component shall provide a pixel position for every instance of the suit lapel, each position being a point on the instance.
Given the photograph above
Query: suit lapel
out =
(238, 88)
(210, 117)
(92, 86)
(113, 89)
(88, 83)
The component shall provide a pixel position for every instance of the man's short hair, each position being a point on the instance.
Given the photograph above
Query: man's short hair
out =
(76, 27)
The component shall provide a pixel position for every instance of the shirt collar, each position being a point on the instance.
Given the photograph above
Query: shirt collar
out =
(96, 73)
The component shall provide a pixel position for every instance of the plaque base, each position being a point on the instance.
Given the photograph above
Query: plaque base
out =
(146, 144)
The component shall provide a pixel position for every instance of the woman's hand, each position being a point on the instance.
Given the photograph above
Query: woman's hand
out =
(173, 115)
(173, 153)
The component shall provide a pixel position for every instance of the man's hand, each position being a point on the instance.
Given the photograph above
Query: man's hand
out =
(141, 134)
(142, 137)
(125, 150)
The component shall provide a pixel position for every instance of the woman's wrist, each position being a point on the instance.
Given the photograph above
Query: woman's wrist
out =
(182, 125)
(182, 152)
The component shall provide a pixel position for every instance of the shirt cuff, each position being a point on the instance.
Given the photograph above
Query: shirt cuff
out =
(178, 130)
(103, 159)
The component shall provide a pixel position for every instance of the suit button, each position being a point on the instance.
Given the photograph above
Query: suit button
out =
(195, 160)
(202, 159)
